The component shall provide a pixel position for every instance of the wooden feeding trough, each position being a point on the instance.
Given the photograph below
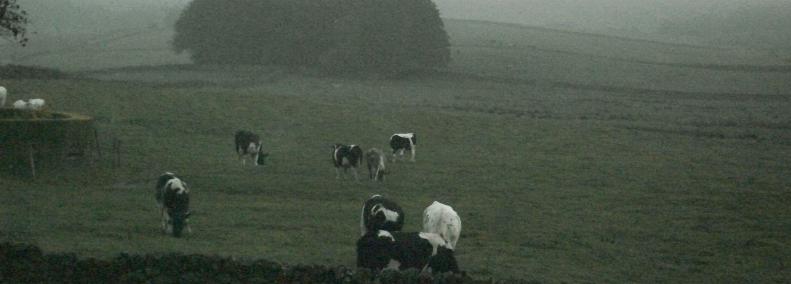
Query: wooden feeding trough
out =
(31, 139)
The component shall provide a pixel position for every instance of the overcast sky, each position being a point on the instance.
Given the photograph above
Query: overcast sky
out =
(641, 16)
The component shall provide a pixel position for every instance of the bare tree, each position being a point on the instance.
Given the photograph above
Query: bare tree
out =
(13, 21)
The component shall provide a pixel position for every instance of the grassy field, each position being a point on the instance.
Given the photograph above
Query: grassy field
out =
(556, 178)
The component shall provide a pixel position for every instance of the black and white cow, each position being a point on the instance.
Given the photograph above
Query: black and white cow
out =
(249, 144)
(375, 160)
(346, 156)
(399, 250)
(380, 213)
(400, 142)
(173, 199)
(442, 220)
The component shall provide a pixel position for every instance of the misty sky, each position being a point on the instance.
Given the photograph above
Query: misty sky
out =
(628, 17)
(617, 14)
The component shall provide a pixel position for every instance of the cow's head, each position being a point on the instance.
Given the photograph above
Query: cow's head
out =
(179, 211)
(443, 261)
(375, 249)
(261, 159)
(179, 221)
(381, 173)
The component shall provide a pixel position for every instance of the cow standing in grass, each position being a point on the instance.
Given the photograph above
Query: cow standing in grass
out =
(442, 220)
(3, 95)
(249, 144)
(380, 213)
(346, 156)
(379, 250)
(400, 142)
(375, 160)
(172, 196)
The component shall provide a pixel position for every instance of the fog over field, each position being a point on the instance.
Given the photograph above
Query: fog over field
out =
(735, 22)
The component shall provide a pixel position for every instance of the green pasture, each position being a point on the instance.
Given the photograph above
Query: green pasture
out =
(553, 182)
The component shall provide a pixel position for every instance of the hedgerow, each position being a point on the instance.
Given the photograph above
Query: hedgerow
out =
(23, 263)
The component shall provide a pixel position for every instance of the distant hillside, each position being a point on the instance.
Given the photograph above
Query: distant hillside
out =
(720, 22)
(472, 40)
(757, 24)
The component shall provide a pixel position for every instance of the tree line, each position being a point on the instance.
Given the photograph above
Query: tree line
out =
(392, 36)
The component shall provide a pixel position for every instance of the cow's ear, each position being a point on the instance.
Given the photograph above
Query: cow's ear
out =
(189, 213)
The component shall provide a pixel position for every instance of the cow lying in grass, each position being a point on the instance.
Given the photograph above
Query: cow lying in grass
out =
(380, 213)
(346, 156)
(379, 250)
(32, 104)
(249, 144)
(172, 196)
(440, 219)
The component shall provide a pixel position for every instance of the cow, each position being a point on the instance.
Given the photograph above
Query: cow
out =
(379, 213)
(20, 104)
(249, 144)
(36, 104)
(375, 160)
(346, 156)
(3, 95)
(172, 195)
(440, 219)
(381, 249)
(32, 104)
(403, 141)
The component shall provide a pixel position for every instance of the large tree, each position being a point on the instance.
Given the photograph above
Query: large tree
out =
(13, 21)
(389, 36)
(340, 35)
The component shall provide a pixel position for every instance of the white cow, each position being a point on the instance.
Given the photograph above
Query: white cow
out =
(3, 95)
(36, 104)
(32, 104)
(440, 219)
(20, 104)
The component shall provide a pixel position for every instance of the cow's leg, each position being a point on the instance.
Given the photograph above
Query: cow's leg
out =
(163, 219)
(394, 155)
(255, 159)
(413, 153)
(371, 173)
(239, 152)
(337, 173)
(167, 227)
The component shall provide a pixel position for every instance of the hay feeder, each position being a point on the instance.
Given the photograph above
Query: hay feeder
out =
(31, 139)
